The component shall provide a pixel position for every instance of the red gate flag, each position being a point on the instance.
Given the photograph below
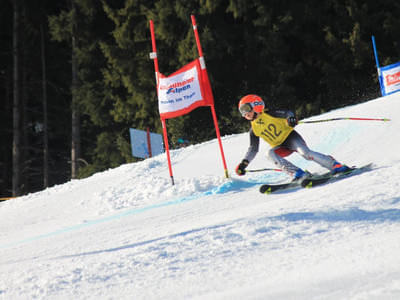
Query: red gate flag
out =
(183, 91)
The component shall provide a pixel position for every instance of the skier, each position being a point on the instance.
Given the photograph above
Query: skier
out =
(277, 129)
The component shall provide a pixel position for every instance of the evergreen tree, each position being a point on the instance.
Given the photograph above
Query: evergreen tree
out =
(81, 25)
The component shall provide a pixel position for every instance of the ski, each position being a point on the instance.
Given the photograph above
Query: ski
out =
(313, 181)
(270, 188)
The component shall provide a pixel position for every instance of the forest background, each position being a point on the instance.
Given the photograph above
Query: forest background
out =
(75, 75)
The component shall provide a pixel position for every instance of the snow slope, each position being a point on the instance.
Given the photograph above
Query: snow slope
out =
(127, 233)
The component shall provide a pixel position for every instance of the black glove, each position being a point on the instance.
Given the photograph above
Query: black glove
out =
(241, 168)
(292, 121)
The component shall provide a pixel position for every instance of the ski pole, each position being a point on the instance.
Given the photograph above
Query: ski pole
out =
(265, 169)
(338, 119)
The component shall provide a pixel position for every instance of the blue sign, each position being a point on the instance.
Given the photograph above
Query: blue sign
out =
(139, 143)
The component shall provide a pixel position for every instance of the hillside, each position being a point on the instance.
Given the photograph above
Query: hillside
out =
(128, 234)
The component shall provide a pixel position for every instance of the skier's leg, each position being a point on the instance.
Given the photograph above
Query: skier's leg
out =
(296, 142)
(280, 162)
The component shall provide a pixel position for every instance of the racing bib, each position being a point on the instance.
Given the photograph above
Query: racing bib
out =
(273, 130)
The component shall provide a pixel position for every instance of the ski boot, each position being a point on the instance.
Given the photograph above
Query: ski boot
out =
(339, 168)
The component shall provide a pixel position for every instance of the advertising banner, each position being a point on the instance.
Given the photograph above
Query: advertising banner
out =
(181, 92)
(391, 78)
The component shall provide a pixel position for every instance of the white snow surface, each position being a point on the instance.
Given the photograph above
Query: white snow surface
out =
(128, 233)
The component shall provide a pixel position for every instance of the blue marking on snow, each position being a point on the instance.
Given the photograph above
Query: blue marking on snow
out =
(339, 136)
(232, 185)
(102, 220)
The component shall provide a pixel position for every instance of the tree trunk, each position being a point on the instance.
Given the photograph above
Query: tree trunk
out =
(16, 151)
(25, 156)
(6, 165)
(76, 137)
(45, 133)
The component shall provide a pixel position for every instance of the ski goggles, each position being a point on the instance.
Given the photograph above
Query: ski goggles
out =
(245, 108)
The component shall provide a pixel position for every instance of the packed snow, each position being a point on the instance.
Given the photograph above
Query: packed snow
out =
(128, 233)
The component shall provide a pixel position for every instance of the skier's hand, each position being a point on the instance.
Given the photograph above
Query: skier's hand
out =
(292, 121)
(241, 168)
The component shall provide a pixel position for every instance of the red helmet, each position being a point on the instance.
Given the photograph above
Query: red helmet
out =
(249, 103)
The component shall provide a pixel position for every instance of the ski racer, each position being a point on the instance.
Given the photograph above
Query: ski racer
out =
(277, 129)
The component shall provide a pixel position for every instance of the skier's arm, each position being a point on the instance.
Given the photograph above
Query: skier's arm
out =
(251, 153)
(281, 113)
(285, 114)
(253, 148)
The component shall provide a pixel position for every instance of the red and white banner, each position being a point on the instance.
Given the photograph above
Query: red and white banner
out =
(182, 91)
(391, 78)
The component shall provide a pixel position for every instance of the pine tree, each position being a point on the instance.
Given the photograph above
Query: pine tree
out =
(77, 26)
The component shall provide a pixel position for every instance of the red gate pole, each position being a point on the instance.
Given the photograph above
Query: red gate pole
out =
(164, 126)
(153, 56)
(149, 142)
(210, 95)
